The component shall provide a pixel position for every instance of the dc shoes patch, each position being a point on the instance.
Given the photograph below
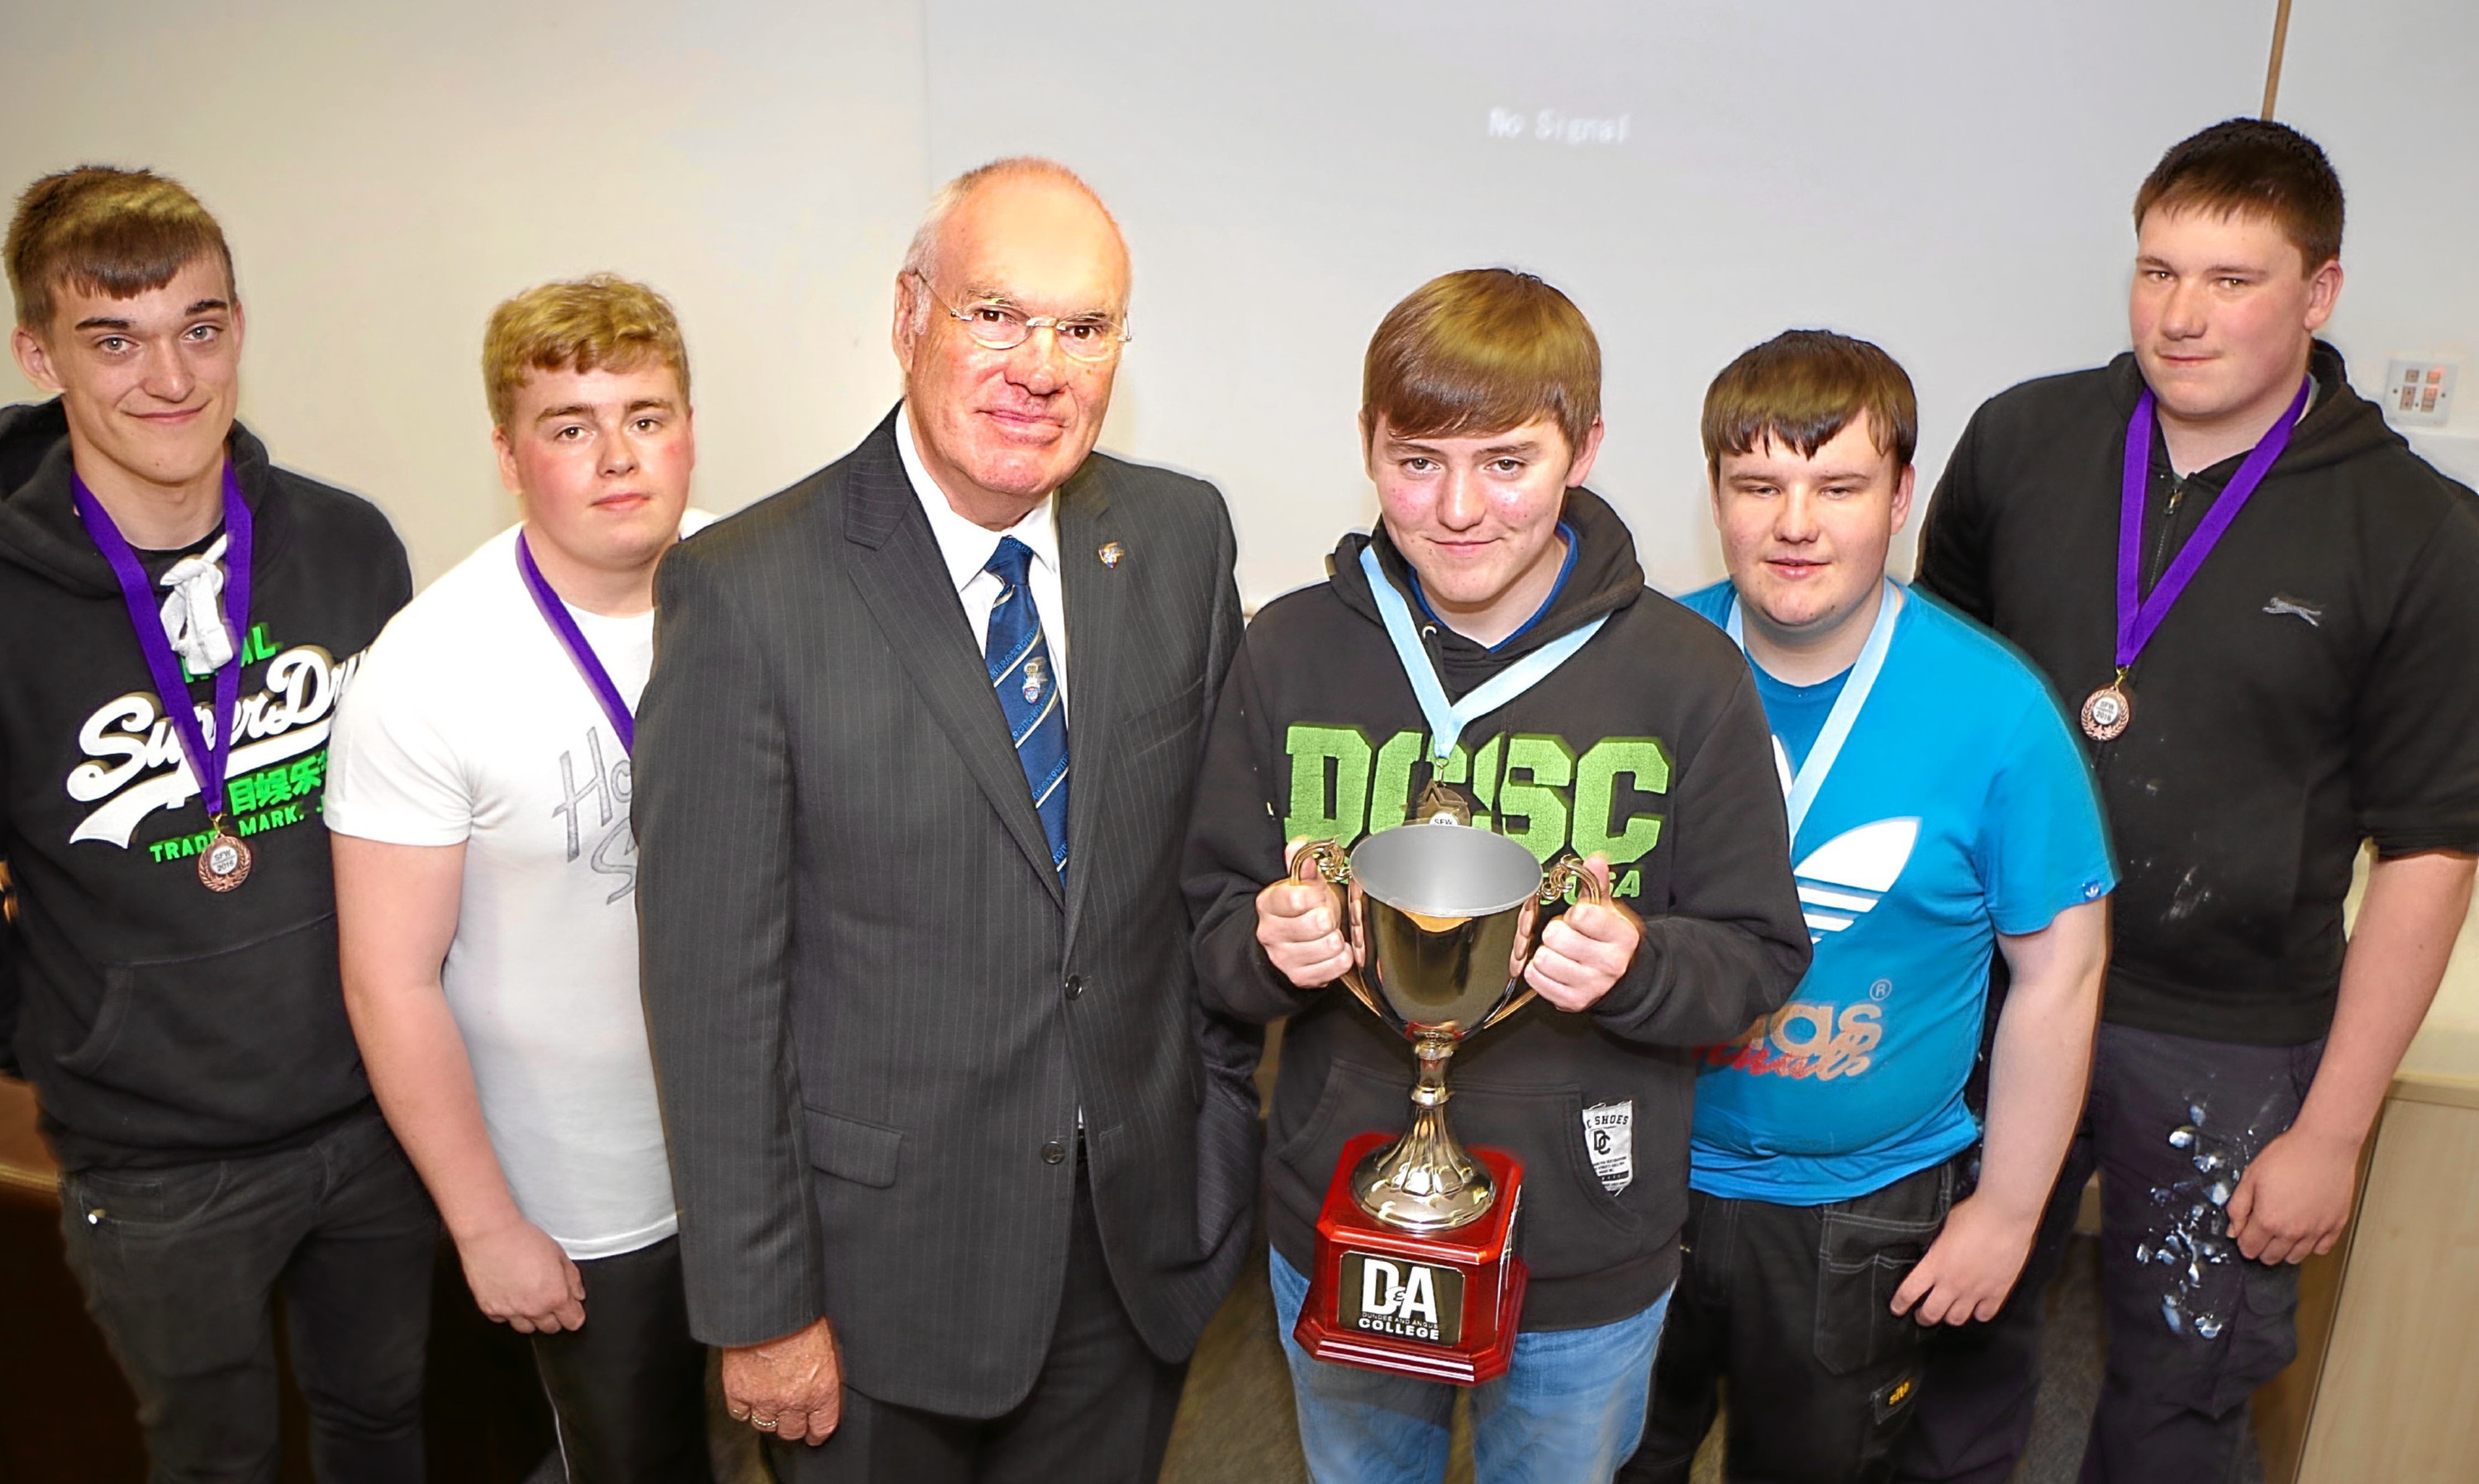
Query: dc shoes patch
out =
(1609, 1140)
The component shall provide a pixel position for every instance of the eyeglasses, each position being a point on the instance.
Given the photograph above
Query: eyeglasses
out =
(998, 326)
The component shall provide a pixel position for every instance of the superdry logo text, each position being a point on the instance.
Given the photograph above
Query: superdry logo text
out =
(133, 765)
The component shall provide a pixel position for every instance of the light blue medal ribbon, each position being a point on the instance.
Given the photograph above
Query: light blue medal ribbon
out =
(1446, 718)
(1809, 781)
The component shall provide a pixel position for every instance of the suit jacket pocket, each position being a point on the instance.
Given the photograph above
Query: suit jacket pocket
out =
(853, 1148)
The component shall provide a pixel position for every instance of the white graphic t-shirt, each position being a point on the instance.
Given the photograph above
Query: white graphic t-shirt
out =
(470, 723)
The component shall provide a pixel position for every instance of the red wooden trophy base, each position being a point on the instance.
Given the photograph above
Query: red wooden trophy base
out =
(1441, 1306)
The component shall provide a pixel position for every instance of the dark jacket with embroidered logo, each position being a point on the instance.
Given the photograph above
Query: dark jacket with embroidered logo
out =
(2316, 685)
(161, 1023)
(1649, 744)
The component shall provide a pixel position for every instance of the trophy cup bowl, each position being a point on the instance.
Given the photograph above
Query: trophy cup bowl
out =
(1442, 919)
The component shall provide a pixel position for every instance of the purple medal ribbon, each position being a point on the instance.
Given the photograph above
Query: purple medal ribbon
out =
(171, 688)
(563, 624)
(2137, 619)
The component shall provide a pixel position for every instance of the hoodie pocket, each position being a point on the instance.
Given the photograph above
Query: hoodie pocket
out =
(1354, 1100)
(1570, 1226)
(244, 1044)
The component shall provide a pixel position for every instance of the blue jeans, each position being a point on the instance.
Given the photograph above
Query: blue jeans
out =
(1567, 1411)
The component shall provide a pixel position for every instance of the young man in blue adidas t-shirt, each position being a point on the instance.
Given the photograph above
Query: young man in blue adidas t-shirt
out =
(1938, 807)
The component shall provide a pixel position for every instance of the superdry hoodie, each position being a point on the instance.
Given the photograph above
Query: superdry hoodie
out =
(160, 1022)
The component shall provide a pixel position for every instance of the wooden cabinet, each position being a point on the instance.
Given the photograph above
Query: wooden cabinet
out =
(2386, 1386)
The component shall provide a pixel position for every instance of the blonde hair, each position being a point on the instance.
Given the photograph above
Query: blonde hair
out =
(599, 322)
(96, 228)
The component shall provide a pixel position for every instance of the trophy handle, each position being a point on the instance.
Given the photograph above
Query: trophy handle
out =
(1323, 860)
(1565, 874)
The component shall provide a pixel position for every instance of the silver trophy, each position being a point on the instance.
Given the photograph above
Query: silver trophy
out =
(1442, 919)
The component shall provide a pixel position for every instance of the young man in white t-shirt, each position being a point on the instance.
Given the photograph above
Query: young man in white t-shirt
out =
(485, 873)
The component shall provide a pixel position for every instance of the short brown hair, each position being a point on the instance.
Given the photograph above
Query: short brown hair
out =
(580, 325)
(2253, 167)
(95, 228)
(1801, 389)
(1482, 351)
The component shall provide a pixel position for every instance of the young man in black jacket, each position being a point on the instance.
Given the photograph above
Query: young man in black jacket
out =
(169, 985)
(1644, 751)
(2262, 601)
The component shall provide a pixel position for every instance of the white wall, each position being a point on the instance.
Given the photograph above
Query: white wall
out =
(2387, 87)
(386, 174)
(1951, 181)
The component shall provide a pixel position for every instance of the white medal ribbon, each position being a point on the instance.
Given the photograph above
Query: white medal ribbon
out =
(193, 615)
(1448, 719)
(1803, 787)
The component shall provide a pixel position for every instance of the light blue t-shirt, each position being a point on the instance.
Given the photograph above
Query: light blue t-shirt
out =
(1958, 809)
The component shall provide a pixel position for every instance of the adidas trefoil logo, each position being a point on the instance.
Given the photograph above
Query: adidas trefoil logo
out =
(1843, 880)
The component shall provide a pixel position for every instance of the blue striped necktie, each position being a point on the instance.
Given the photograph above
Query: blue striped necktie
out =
(1026, 684)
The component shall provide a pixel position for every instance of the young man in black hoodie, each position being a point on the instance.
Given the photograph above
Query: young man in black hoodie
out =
(2262, 604)
(169, 985)
(1644, 751)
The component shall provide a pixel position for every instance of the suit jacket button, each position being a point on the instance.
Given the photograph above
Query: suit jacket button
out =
(1075, 987)
(1053, 1152)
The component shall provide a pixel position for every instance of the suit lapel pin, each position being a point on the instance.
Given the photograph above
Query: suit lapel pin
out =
(1111, 554)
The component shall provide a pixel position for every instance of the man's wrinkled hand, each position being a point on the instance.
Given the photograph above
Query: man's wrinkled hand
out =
(1583, 952)
(2295, 1198)
(521, 1278)
(1969, 1269)
(1299, 924)
(791, 1387)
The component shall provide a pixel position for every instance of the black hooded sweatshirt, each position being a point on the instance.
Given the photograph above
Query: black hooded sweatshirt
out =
(160, 1022)
(2316, 685)
(1649, 744)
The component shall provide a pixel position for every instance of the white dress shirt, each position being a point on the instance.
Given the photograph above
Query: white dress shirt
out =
(967, 548)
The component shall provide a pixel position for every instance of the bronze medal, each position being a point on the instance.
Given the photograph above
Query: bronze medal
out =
(2106, 712)
(224, 864)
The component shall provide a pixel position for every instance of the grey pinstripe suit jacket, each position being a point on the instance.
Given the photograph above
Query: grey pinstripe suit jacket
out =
(857, 957)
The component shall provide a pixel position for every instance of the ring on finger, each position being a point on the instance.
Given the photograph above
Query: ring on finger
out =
(763, 1424)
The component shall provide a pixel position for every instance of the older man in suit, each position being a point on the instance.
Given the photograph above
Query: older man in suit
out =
(962, 1169)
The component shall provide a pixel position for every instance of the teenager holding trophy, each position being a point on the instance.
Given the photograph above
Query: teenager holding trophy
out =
(1492, 642)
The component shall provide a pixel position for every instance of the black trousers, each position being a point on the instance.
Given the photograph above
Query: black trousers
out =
(180, 1269)
(630, 1387)
(2193, 1328)
(1099, 1413)
(1790, 1304)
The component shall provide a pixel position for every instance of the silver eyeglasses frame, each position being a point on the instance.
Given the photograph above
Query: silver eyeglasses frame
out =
(1021, 325)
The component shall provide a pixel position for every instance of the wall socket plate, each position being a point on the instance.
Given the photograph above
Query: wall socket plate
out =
(2419, 393)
